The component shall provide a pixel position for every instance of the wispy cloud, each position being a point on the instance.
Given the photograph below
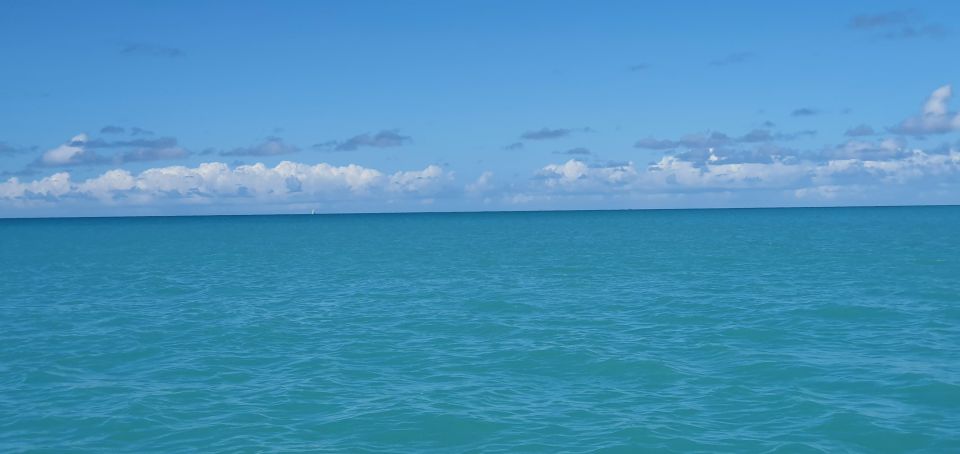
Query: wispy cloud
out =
(151, 154)
(134, 131)
(9, 149)
(716, 139)
(879, 150)
(860, 130)
(151, 50)
(550, 133)
(160, 142)
(578, 151)
(482, 184)
(882, 20)
(112, 130)
(545, 133)
(733, 59)
(638, 67)
(514, 146)
(272, 146)
(384, 139)
(651, 143)
(902, 24)
(804, 112)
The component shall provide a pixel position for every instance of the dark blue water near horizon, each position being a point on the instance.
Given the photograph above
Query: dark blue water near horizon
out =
(760, 330)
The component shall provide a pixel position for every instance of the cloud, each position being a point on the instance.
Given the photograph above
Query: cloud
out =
(766, 153)
(698, 140)
(717, 139)
(215, 182)
(483, 183)
(927, 30)
(781, 176)
(860, 130)
(804, 112)
(576, 175)
(53, 186)
(151, 154)
(549, 133)
(514, 146)
(81, 151)
(891, 148)
(383, 139)
(151, 50)
(423, 181)
(770, 152)
(134, 131)
(757, 135)
(882, 20)
(8, 149)
(904, 24)
(161, 142)
(273, 146)
(799, 177)
(733, 59)
(796, 135)
(936, 118)
(656, 144)
(578, 151)
(328, 145)
(72, 153)
(112, 130)
(638, 67)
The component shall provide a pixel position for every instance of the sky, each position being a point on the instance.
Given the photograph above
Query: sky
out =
(182, 108)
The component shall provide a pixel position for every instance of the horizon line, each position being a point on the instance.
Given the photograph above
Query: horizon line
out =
(394, 213)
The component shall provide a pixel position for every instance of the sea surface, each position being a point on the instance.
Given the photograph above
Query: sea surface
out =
(766, 330)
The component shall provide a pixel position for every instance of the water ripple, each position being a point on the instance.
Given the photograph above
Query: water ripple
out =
(690, 331)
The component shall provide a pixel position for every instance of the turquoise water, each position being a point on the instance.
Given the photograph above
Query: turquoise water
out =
(782, 330)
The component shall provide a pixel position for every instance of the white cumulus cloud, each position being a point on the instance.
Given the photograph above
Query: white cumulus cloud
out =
(805, 177)
(216, 181)
(72, 152)
(936, 117)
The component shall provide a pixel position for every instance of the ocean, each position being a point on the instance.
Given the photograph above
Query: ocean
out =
(748, 330)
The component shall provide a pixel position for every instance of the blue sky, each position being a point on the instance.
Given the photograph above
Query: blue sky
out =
(126, 108)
